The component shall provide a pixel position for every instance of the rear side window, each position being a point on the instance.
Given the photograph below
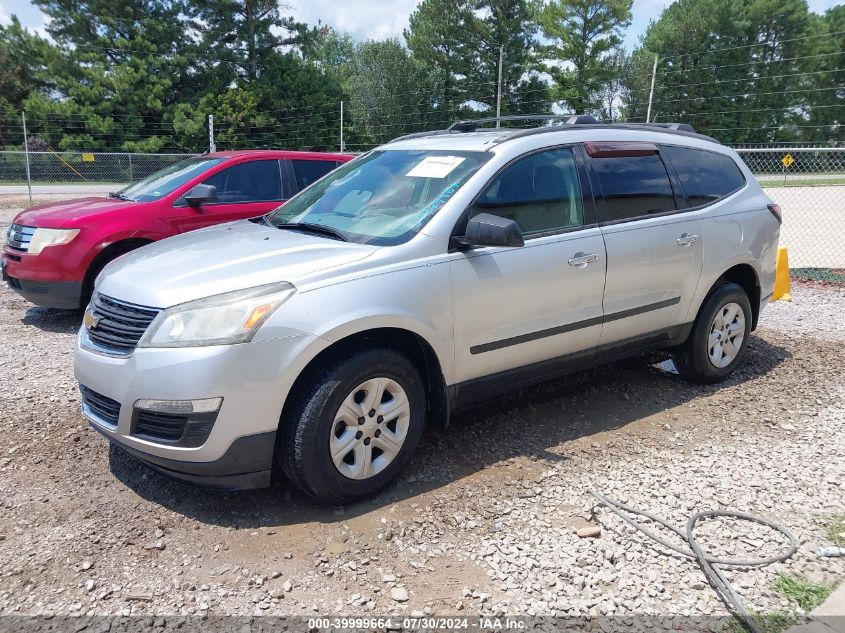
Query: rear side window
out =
(255, 181)
(634, 186)
(705, 176)
(307, 172)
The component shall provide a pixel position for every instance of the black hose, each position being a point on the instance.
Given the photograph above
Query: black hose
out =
(707, 563)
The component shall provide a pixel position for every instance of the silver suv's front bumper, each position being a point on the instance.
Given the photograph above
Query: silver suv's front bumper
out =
(252, 379)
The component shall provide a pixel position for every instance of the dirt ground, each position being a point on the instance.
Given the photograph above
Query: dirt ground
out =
(483, 521)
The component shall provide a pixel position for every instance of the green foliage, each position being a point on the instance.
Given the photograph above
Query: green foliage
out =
(802, 591)
(390, 94)
(732, 68)
(436, 36)
(239, 35)
(836, 528)
(824, 66)
(143, 75)
(774, 622)
(584, 36)
(511, 25)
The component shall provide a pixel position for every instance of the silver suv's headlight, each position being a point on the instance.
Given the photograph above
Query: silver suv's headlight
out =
(232, 317)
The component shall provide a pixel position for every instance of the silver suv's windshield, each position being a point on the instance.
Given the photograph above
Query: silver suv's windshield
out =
(167, 180)
(383, 198)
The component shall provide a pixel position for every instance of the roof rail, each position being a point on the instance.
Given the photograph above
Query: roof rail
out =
(471, 125)
(683, 127)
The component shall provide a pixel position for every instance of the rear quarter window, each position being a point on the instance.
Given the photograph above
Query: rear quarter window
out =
(705, 176)
(306, 172)
(634, 186)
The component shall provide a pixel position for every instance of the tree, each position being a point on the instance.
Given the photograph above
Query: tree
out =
(332, 51)
(290, 105)
(390, 94)
(613, 93)
(584, 35)
(23, 57)
(117, 72)
(436, 36)
(824, 65)
(239, 34)
(508, 24)
(731, 68)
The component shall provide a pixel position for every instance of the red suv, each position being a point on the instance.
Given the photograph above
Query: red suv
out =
(54, 251)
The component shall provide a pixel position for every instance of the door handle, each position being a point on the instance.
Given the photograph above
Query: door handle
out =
(582, 259)
(686, 239)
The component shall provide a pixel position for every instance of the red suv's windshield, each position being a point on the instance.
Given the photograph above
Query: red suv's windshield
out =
(167, 180)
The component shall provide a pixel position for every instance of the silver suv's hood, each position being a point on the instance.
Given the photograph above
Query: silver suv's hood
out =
(219, 259)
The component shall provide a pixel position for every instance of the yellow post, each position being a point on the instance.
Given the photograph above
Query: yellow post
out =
(782, 288)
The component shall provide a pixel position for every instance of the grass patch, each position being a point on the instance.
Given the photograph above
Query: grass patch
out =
(801, 182)
(802, 591)
(836, 276)
(774, 622)
(836, 530)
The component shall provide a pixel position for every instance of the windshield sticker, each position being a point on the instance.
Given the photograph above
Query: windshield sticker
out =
(435, 167)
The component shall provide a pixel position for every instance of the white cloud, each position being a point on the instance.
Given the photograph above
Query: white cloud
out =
(4, 17)
(362, 19)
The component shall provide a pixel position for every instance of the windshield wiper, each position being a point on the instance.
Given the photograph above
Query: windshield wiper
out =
(119, 196)
(308, 227)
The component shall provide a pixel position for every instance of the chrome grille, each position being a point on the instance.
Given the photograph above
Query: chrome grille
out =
(18, 237)
(117, 326)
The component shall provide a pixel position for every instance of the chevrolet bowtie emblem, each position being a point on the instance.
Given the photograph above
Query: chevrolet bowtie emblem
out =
(90, 320)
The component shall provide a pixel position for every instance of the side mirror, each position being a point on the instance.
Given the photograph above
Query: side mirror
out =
(201, 194)
(486, 229)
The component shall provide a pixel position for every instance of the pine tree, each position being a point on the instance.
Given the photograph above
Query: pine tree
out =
(436, 36)
(580, 59)
(508, 24)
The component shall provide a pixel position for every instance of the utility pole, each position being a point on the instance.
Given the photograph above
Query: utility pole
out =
(211, 146)
(499, 87)
(651, 92)
(26, 154)
(341, 127)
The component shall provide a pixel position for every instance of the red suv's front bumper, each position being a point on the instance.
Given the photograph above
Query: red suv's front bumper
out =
(51, 279)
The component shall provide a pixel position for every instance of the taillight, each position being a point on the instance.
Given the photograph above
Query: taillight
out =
(775, 209)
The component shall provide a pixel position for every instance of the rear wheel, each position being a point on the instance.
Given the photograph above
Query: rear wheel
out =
(719, 337)
(356, 427)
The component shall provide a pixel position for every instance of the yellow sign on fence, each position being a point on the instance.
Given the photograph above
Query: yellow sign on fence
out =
(787, 160)
(87, 157)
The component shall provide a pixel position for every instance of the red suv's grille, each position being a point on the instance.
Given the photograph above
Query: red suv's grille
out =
(18, 237)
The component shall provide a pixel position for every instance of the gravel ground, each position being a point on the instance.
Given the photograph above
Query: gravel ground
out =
(485, 519)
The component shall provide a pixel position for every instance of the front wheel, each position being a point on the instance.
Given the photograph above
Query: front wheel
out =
(719, 337)
(355, 428)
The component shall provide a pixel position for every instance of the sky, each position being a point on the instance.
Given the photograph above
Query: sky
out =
(367, 19)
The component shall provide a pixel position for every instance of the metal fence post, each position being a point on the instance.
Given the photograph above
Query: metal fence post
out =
(341, 126)
(26, 154)
(131, 177)
(211, 145)
(651, 92)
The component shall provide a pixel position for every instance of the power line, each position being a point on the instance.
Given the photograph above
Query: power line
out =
(770, 42)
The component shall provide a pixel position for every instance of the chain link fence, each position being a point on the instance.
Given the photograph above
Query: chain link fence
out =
(808, 183)
(69, 174)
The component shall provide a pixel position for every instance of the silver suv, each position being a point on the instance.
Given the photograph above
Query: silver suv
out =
(428, 274)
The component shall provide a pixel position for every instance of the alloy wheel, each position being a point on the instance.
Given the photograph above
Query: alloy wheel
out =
(370, 428)
(726, 335)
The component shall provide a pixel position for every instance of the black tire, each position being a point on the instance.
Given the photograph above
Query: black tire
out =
(692, 358)
(303, 449)
(96, 267)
